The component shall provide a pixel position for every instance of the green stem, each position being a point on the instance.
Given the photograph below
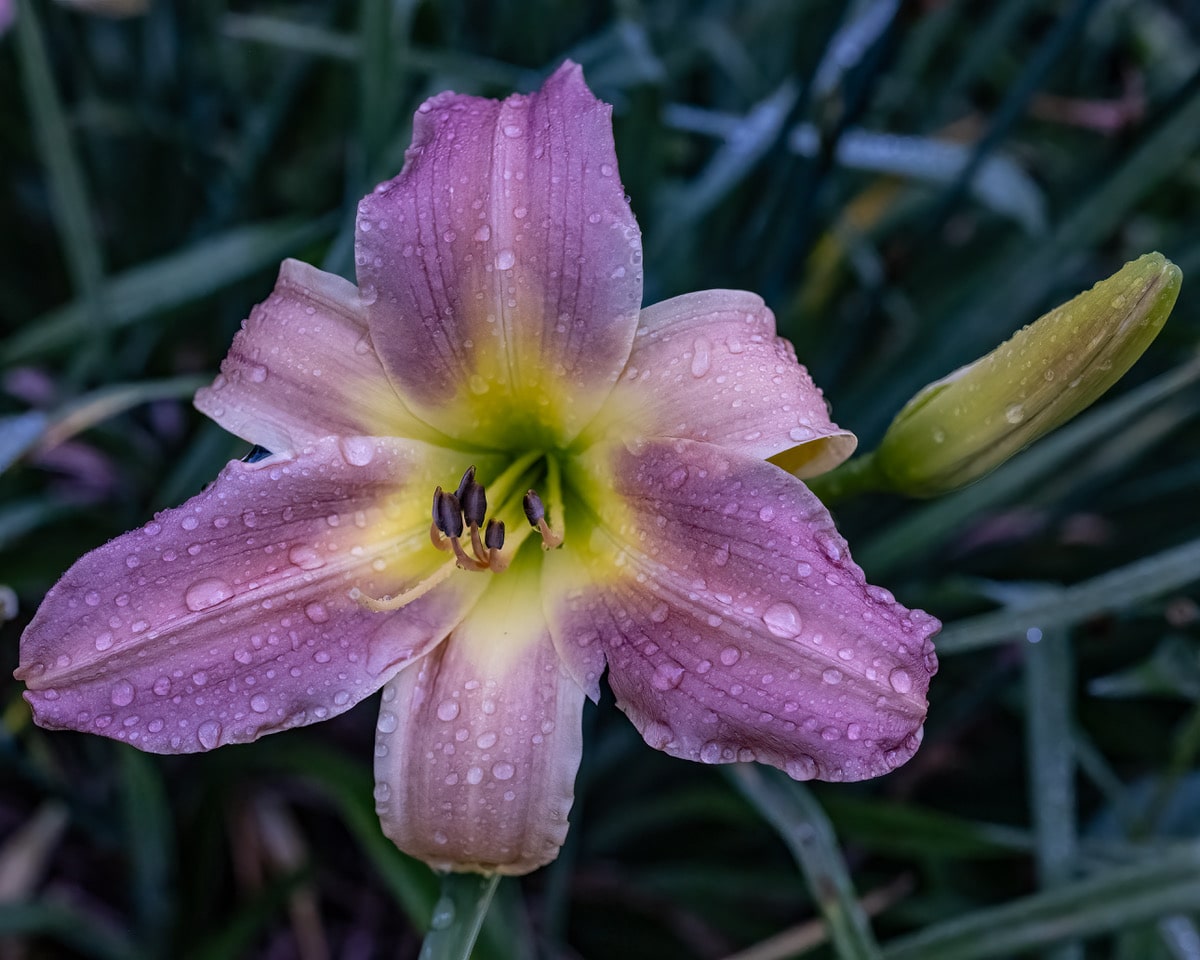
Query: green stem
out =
(857, 476)
(458, 915)
(798, 818)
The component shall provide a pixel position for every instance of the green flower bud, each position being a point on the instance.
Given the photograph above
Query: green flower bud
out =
(961, 427)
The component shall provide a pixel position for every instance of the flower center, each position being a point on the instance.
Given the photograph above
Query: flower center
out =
(462, 527)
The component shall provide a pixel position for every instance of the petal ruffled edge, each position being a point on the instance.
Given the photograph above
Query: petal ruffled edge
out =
(708, 366)
(234, 616)
(303, 367)
(734, 623)
(502, 267)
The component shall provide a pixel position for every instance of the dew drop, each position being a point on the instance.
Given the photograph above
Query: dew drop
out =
(122, 693)
(209, 734)
(486, 741)
(447, 710)
(358, 451)
(503, 771)
(900, 680)
(667, 676)
(207, 593)
(512, 130)
(782, 620)
(701, 357)
(1015, 413)
(505, 260)
(730, 656)
(659, 613)
(305, 557)
(710, 752)
(387, 722)
(801, 767)
(443, 913)
(483, 234)
(104, 641)
(803, 569)
(257, 373)
(475, 775)
(832, 675)
(316, 612)
(259, 703)
(91, 598)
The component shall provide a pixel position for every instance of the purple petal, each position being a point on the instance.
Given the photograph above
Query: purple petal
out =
(502, 267)
(231, 616)
(737, 626)
(708, 366)
(303, 367)
(479, 741)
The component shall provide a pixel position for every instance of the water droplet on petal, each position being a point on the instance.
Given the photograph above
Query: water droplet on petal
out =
(701, 357)
(316, 612)
(257, 373)
(710, 752)
(122, 693)
(91, 598)
(305, 557)
(387, 722)
(209, 734)
(358, 451)
(259, 703)
(104, 641)
(505, 260)
(207, 593)
(447, 710)
(782, 620)
(900, 680)
(730, 656)
(802, 767)
(1015, 413)
(832, 675)
(667, 676)
(483, 234)
(503, 771)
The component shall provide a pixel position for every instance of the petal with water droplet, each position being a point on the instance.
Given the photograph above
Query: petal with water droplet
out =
(504, 259)
(267, 392)
(479, 772)
(264, 636)
(708, 366)
(760, 656)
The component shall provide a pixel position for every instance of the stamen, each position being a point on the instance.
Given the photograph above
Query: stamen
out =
(493, 538)
(474, 504)
(447, 514)
(436, 538)
(468, 478)
(464, 561)
(405, 598)
(535, 513)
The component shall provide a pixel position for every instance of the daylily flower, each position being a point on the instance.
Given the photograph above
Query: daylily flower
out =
(495, 336)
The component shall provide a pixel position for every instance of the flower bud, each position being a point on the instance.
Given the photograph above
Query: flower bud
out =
(965, 425)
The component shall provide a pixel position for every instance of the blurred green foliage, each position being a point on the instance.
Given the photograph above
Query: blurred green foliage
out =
(906, 184)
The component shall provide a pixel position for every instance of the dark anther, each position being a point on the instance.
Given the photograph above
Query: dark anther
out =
(447, 514)
(474, 502)
(535, 510)
(493, 536)
(468, 478)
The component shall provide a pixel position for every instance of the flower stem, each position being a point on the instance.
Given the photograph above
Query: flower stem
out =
(854, 477)
(801, 823)
(458, 915)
